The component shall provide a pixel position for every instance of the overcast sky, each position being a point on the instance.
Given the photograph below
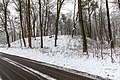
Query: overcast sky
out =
(68, 7)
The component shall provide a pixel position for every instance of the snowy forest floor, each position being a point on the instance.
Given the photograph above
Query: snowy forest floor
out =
(69, 54)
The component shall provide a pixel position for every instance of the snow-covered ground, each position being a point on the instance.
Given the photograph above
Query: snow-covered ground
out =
(69, 54)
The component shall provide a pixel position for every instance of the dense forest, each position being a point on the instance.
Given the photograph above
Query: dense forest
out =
(97, 20)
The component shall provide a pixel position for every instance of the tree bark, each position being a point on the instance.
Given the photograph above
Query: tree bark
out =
(40, 17)
(29, 25)
(21, 22)
(82, 27)
(89, 25)
(74, 28)
(5, 23)
(109, 31)
(109, 26)
(59, 5)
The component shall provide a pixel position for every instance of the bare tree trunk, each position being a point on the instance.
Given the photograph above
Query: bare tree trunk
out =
(11, 32)
(109, 30)
(48, 25)
(40, 17)
(109, 25)
(101, 29)
(21, 23)
(20, 37)
(59, 5)
(74, 28)
(114, 33)
(29, 25)
(89, 25)
(96, 27)
(14, 32)
(56, 25)
(82, 27)
(34, 25)
(5, 4)
(46, 15)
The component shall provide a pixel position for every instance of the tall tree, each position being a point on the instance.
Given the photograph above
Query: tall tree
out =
(109, 26)
(100, 28)
(21, 22)
(74, 23)
(40, 17)
(59, 5)
(29, 24)
(109, 30)
(89, 20)
(5, 6)
(82, 26)
(46, 17)
(34, 14)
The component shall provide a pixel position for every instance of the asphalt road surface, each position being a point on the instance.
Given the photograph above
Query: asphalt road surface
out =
(18, 68)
